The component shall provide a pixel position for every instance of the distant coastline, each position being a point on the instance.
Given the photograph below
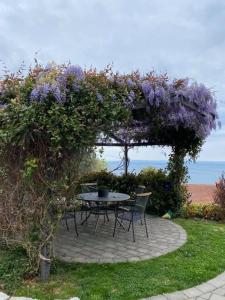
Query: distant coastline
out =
(201, 172)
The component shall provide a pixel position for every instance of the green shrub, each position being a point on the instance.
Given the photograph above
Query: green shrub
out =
(102, 178)
(165, 196)
(14, 267)
(126, 183)
(204, 211)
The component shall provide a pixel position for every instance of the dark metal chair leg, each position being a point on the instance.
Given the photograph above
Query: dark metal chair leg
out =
(114, 230)
(96, 224)
(86, 216)
(67, 226)
(133, 230)
(129, 226)
(146, 226)
(75, 222)
(107, 217)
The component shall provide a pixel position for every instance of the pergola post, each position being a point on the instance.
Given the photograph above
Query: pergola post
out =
(126, 159)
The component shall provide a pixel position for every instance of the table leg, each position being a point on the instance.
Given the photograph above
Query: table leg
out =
(116, 219)
(96, 223)
(85, 220)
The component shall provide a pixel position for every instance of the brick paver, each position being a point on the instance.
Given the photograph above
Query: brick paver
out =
(164, 236)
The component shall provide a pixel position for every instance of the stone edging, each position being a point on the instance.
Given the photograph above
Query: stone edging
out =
(213, 289)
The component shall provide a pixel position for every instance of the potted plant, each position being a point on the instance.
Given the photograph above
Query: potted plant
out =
(103, 191)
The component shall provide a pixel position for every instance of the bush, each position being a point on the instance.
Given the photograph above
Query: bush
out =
(14, 267)
(203, 211)
(103, 178)
(127, 183)
(219, 195)
(165, 196)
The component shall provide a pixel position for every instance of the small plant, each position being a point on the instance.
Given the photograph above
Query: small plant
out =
(219, 194)
(209, 211)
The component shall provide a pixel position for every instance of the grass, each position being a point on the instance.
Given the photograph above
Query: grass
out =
(200, 259)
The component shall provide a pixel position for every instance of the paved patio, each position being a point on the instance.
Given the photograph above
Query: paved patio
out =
(164, 236)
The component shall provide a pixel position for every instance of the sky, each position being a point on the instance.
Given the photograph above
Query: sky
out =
(185, 38)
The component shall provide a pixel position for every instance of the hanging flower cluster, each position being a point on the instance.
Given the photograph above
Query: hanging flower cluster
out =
(177, 104)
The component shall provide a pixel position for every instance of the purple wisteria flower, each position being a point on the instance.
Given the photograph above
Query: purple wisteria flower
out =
(74, 71)
(130, 101)
(3, 106)
(41, 92)
(131, 83)
(99, 97)
(148, 92)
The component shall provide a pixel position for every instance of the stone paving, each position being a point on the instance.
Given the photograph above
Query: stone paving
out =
(101, 247)
(213, 289)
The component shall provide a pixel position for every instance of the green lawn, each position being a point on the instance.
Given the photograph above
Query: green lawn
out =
(200, 259)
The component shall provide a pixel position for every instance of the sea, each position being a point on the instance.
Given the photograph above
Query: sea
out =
(200, 172)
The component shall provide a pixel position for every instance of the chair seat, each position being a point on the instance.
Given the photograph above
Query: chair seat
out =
(127, 216)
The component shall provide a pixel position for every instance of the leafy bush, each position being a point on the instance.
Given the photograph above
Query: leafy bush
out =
(126, 183)
(219, 195)
(165, 196)
(203, 211)
(103, 178)
(14, 266)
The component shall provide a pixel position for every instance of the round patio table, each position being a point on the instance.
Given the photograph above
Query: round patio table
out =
(116, 198)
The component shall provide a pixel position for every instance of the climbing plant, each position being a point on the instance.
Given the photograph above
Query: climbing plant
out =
(51, 118)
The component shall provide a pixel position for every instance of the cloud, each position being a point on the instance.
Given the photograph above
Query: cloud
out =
(184, 38)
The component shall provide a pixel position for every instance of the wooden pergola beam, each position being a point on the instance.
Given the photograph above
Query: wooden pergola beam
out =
(103, 144)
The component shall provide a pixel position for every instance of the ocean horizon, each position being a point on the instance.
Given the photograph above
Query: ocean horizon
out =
(200, 172)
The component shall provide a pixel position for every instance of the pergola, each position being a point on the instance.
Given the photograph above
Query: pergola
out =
(115, 140)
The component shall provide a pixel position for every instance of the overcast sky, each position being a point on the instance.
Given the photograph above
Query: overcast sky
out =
(185, 38)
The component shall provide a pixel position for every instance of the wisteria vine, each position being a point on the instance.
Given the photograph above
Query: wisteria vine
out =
(168, 104)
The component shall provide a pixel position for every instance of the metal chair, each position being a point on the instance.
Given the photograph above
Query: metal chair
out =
(127, 204)
(88, 187)
(136, 213)
(68, 211)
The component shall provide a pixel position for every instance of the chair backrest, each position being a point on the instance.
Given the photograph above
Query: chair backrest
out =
(141, 202)
(140, 189)
(88, 187)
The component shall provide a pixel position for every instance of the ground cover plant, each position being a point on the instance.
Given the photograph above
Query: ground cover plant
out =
(178, 270)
